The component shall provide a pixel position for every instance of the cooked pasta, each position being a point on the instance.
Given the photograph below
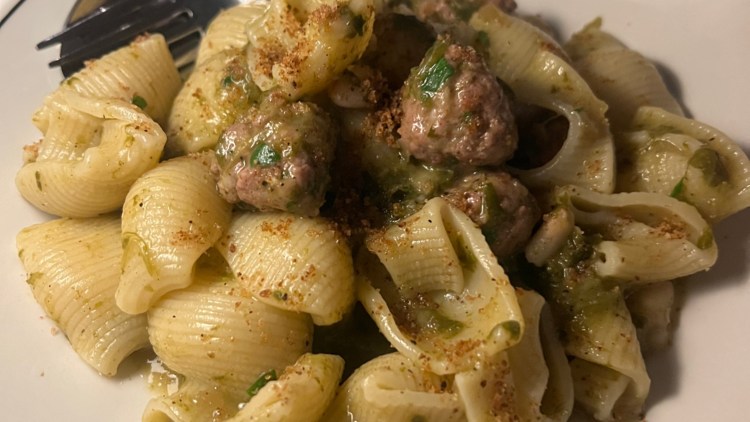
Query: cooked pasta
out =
(537, 70)
(290, 262)
(442, 331)
(227, 31)
(339, 179)
(92, 152)
(211, 333)
(302, 46)
(172, 215)
(71, 268)
(392, 388)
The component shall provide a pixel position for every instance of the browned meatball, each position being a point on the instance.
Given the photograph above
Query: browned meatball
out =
(454, 110)
(500, 205)
(277, 157)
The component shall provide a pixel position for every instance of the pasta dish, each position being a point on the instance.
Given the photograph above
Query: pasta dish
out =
(375, 211)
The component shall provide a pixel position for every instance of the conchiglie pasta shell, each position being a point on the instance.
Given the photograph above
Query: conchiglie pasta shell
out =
(171, 216)
(536, 68)
(486, 308)
(302, 393)
(95, 150)
(212, 334)
(207, 105)
(195, 401)
(620, 77)
(648, 237)
(227, 31)
(296, 263)
(72, 268)
(144, 68)
(391, 388)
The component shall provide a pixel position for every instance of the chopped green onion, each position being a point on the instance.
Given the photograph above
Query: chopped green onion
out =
(436, 76)
(578, 110)
(228, 81)
(140, 102)
(264, 156)
(484, 40)
(359, 25)
(677, 189)
(263, 379)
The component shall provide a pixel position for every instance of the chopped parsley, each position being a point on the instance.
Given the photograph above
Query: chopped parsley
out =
(264, 156)
(263, 379)
(484, 40)
(228, 81)
(435, 77)
(140, 102)
(678, 188)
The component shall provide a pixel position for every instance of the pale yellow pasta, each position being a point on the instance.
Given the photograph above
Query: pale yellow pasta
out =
(301, 394)
(529, 382)
(217, 92)
(473, 324)
(144, 69)
(195, 401)
(692, 161)
(227, 30)
(392, 388)
(646, 237)
(92, 152)
(210, 333)
(72, 268)
(620, 77)
(296, 263)
(537, 70)
(302, 46)
(171, 216)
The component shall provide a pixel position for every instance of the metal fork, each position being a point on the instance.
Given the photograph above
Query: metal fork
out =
(114, 23)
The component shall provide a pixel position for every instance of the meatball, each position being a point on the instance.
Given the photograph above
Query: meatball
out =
(277, 157)
(500, 205)
(454, 109)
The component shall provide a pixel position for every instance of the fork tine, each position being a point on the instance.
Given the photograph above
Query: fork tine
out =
(119, 10)
(153, 22)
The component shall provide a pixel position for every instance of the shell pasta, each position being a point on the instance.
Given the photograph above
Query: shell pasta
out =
(375, 211)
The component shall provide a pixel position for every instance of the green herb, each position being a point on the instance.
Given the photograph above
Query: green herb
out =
(38, 176)
(513, 328)
(492, 213)
(709, 162)
(359, 25)
(463, 252)
(431, 321)
(279, 295)
(140, 102)
(263, 379)
(264, 156)
(484, 40)
(677, 189)
(578, 110)
(435, 77)
(228, 81)
(464, 9)
(706, 239)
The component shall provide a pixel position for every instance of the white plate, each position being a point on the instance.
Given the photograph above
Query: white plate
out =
(705, 46)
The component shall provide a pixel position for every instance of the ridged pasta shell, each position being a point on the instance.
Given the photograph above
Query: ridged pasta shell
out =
(214, 334)
(302, 393)
(195, 401)
(92, 153)
(227, 30)
(537, 70)
(72, 268)
(620, 77)
(144, 69)
(484, 317)
(295, 263)
(171, 216)
(530, 382)
(391, 388)
(647, 237)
